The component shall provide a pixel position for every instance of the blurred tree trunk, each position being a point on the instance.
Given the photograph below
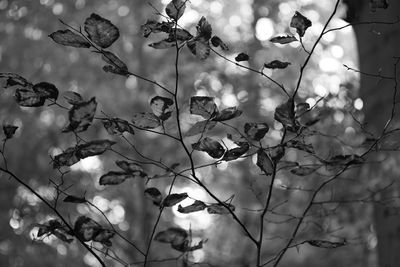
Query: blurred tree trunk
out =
(377, 46)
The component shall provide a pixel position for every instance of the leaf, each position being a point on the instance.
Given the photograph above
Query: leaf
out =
(55, 228)
(301, 146)
(163, 44)
(201, 127)
(196, 206)
(117, 126)
(210, 146)
(173, 235)
(175, 9)
(203, 106)
(9, 130)
(236, 152)
(179, 35)
(161, 107)
(204, 30)
(85, 228)
(283, 39)
(73, 98)
(325, 244)
(276, 64)
(131, 167)
(227, 114)
(46, 90)
(256, 131)
(302, 107)
(242, 57)
(103, 236)
(69, 38)
(74, 199)
(173, 199)
(116, 65)
(12, 79)
(303, 171)
(345, 159)
(67, 158)
(284, 113)
(81, 116)
(376, 4)
(114, 178)
(237, 138)
(146, 120)
(199, 46)
(217, 42)
(184, 247)
(153, 194)
(101, 31)
(93, 148)
(301, 23)
(28, 98)
(264, 162)
(220, 209)
(276, 153)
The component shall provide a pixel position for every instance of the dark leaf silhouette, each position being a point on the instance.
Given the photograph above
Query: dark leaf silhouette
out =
(203, 106)
(173, 199)
(93, 148)
(46, 90)
(101, 31)
(196, 206)
(86, 228)
(201, 127)
(9, 130)
(303, 170)
(28, 98)
(131, 167)
(325, 244)
(175, 9)
(284, 113)
(301, 23)
(67, 158)
(276, 64)
(163, 44)
(74, 199)
(217, 42)
(184, 247)
(210, 146)
(264, 162)
(153, 194)
(73, 98)
(236, 152)
(11, 79)
(161, 107)
(81, 116)
(227, 114)
(242, 57)
(114, 178)
(256, 131)
(117, 126)
(173, 235)
(69, 38)
(220, 209)
(146, 120)
(276, 153)
(283, 39)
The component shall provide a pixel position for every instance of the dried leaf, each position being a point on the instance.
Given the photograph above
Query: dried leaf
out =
(227, 114)
(9, 130)
(93, 148)
(220, 209)
(175, 9)
(161, 107)
(81, 116)
(101, 31)
(28, 98)
(276, 64)
(69, 38)
(117, 126)
(325, 244)
(153, 194)
(217, 42)
(301, 23)
(173, 199)
(203, 106)
(264, 162)
(114, 177)
(74, 199)
(210, 146)
(201, 127)
(73, 98)
(196, 206)
(256, 131)
(146, 120)
(283, 39)
(46, 90)
(242, 57)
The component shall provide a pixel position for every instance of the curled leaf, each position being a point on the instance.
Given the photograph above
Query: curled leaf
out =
(210, 146)
(301, 23)
(116, 64)
(67, 158)
(173, 235)
(199, 45)
(283, 39)
(161, 107)
(242, 57)
(146, 120)
(276, 64)
(85, 228)
(173, 199)
(196, 206)
(101, 31)
(69, 38)
(163, 44)
(103, 236)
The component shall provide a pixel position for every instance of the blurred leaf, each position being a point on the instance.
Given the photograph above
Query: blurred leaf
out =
(217, 208)
(173, 199)
(196, 206)
(210, 146)
(74, 199)
(85, 228)
(146, 120)
(73, 98)
(236, 152)
(93, 148)
(12, 79)
(276, 64)
(46, 90)
(300, 22)
(303, 171)
(101, 31)
(217, 42)
(276, 153)
(173, 235)
(117, 126)
(264, 162)
(103, 236)
(114, 178)
(227, 114)
(153, 194)
(242, 57)
(301, 146)
(175, 9)
(284, 113)
(302, 107)
(161, 107)
(201, 127)
(283, 39)
(256, 131)
(325, 244)
(28, 98)
(81, 116)
(69, 38)
(67, 158)
(184, 247)
(9, 130)
(203, 106)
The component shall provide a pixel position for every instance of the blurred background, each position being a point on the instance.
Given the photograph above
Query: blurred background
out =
(246, 26)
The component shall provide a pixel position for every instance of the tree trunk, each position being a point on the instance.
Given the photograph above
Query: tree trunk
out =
(377, 46)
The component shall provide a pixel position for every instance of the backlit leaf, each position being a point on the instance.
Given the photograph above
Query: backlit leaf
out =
(28, 98)
(203, 106)
(227, 114)
(325, 244)
(283, 39)
(161, 107)
(69, 38)
(146, 120)
(153, 194)
(93, 148)
(210, 146)
(301, 23)
(276, 64)
(175, 9)
(220, 209)
(9, 130)
(81, 116)
(196, 206)
(173, 199)
(101, 31)
(217, 42)
(264, 162)
(114, 178)
(242, 57)
(46, 90)
(256, 131)
(201, 127)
